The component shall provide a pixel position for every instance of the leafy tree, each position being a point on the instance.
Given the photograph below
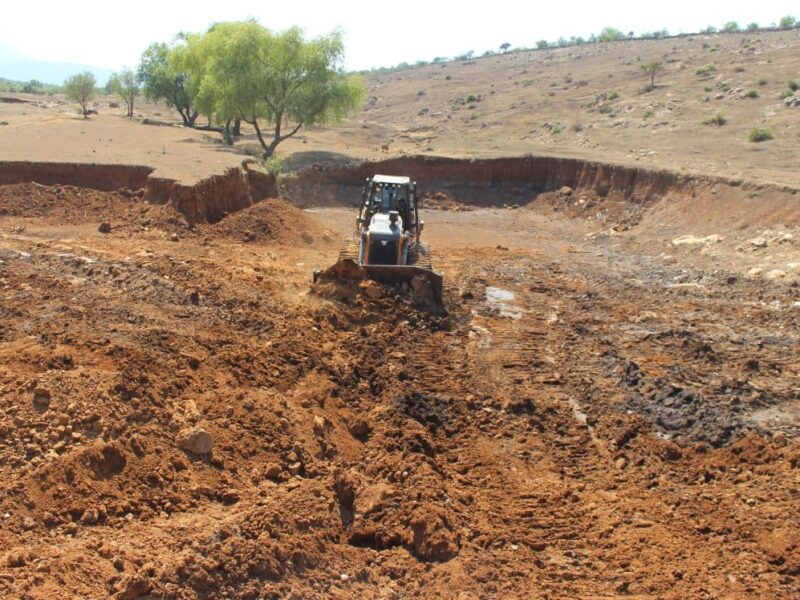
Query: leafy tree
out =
(505, 46)
(125, 85)
(651, 69)
(709, 29)
(787, 22)
(161, 80)
(80, 88)
(752, 27)
(242, 69)
(610, 34)
(730, 27)
(542, 44)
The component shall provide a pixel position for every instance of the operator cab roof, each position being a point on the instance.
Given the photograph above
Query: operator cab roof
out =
(391, 180)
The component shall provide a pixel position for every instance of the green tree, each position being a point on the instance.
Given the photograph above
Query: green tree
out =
(651, 69)
(730, 27)
(242, 69)
(161, 80)
(125, 84)
(542, 44)
(80, 88)
(752, 27)
(610, 34)
(505, 46)
(787, 22)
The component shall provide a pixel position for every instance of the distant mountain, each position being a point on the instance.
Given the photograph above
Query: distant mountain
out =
(21, 69)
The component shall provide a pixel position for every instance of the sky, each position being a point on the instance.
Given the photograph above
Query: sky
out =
(108, 34)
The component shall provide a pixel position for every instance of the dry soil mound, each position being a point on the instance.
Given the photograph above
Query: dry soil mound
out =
(273, 220)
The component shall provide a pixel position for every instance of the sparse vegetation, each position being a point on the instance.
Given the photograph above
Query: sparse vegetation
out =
(3, 123)
(648, 114)
(706, 70)
(793, 85)
(613, 95)
(610, 34)
(763, 81)
(651, 69)
(80, 88)
(752, 94)
(718, 119)
(759, 135)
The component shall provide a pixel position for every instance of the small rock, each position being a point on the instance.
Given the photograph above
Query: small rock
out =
(321, 425)
(196, 440)
(41, 399)
(620, 463)
(104, 227)
(90, 517)
(775, 274)
(371, 289)
(274, 472)
(360, 429)
(759, 242)
(131, 587)
(295, 468)
(566, 191)
(174, 237)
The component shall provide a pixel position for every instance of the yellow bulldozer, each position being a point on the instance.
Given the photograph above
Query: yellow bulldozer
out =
(386, 243)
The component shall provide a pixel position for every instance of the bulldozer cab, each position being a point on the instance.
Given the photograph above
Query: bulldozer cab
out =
(386, 194)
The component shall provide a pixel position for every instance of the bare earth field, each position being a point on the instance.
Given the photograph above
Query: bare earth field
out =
(607, 406)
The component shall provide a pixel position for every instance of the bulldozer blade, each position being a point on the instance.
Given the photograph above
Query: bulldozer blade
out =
(418, 278)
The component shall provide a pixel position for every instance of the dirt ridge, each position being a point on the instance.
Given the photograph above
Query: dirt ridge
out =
(491, 180)
(206, 201)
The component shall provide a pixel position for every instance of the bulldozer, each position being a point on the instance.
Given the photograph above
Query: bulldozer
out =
(386, 243)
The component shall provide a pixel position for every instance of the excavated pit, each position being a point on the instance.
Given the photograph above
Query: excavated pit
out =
(179, 418)
(500, 181)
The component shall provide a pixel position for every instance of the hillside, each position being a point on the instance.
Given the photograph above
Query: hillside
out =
(557, 102)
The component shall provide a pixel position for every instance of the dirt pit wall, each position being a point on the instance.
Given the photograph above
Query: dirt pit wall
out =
(496, 182)
(206, 201)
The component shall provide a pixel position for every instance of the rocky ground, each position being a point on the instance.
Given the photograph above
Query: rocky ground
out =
(180, 417)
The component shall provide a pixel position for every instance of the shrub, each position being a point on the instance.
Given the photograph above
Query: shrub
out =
(613, 95)
(787, 22)
(752, 27)
(762, 82)
(274, 165)
(759, 135)
(718, 119)
(577, 127)
(706, 70)
(3, 123)
(472, 98)
(555, 129)
(752, 94)
(786, 94)
(610, 34)
(448, 77)
(648, 114)
(793, 85)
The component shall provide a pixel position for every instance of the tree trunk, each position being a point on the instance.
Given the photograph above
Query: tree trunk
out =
(192, 117)
(237, 126)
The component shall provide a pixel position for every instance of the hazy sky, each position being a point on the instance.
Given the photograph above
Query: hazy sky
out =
(108, 34)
